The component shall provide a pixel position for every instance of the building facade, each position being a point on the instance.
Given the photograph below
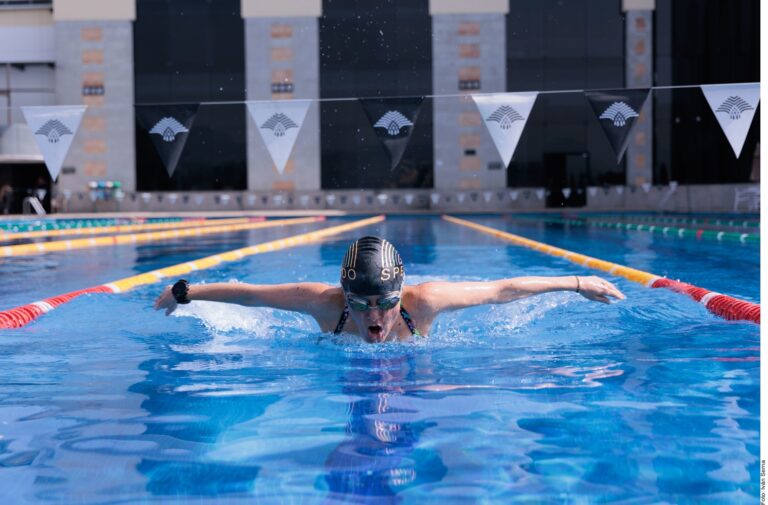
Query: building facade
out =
(212, 57)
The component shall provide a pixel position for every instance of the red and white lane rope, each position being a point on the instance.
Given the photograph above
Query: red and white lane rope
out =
(23, 315)
(719, 304)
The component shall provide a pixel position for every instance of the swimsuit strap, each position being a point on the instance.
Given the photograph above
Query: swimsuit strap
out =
(342, 320)
(409, 322)
(404, 313)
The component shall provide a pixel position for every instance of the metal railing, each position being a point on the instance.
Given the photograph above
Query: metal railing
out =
(31, 203)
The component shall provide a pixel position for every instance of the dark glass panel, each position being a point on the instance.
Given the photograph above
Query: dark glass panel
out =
(193, 51)
(373, 48)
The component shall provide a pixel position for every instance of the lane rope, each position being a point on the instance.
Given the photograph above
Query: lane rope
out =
(730, 223)
(667, 231)
(84, 243)
(124, 228)
(721, 305)
(23, 315)
(45, 224)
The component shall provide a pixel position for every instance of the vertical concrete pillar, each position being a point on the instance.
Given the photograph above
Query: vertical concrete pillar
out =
(639, 74)
(94, 66)
(468, 56)
(282, 62)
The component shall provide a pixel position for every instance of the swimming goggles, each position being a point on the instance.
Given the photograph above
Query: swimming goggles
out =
(385, 302)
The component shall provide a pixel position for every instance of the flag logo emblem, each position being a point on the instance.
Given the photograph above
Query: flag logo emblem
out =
(279, 123)
(393, 122)
(619, 113)
(505, 116)
(734, 106)
(168, 128)
(53, 129)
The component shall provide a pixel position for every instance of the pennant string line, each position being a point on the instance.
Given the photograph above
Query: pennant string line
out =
(457, 95)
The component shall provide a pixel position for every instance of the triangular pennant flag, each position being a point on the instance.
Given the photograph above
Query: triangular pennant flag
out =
(393, 120)
(434, 197)
(54, 129)
(513, 195)
(734, 106)
(617, 111)
(592, 191)
(279, 124)
(646, 186)
(566, 192)
(539, 194)
(505, 116)
(168, 127)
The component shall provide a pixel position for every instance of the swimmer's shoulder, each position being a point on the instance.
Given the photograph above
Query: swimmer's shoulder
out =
(327, 304)
(418, 301)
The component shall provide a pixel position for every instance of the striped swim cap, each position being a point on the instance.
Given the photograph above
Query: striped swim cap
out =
(372, 266)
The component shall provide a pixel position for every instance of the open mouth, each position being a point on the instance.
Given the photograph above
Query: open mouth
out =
(375, 333)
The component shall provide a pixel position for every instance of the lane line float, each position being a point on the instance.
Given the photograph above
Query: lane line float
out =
(721, 305)
(23, 315)
(123, 228)
(699, 233)
(84, 243)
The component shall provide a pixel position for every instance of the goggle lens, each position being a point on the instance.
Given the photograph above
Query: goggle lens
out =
(361, 304)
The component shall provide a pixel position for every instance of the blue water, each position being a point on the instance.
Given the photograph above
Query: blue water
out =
(553, 399)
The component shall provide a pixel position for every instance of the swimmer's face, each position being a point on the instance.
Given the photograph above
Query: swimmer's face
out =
(375, 324)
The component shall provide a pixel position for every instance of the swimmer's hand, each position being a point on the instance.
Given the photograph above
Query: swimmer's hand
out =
(596, 289)
(166, 301)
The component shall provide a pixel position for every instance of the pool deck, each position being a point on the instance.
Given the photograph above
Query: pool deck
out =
(335, 213)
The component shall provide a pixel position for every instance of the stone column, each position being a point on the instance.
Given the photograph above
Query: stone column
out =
(639, 74)
(281, 63)
(468, 56)
(94, 66)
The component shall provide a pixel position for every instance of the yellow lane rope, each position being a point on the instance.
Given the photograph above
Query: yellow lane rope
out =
(632, 274)
(210, 261)
(66, 245)
(103, 230)
(23, 315)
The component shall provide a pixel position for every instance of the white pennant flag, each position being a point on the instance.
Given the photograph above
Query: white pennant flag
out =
(539, 194)
(734, 106)
(505, 115)
(54, 129)
(566, 192)
(279, 123)
(434, 197)
(513, 195)
(592, 191)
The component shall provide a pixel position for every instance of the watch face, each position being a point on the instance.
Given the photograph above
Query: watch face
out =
(179, 290)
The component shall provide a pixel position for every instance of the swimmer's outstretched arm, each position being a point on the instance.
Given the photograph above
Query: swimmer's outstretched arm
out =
(440, 296)
(308, 297)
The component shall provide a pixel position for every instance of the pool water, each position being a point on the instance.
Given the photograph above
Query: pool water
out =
(553, 399)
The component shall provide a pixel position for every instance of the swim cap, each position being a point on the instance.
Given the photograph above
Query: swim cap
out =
(372, 267)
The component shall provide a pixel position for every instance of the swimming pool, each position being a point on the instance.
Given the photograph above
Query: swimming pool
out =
(548, 400)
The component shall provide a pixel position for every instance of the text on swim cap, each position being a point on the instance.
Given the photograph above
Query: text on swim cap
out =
(386, 273)
(391, 273)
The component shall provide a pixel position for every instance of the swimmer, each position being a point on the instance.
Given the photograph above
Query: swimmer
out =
(372, 299)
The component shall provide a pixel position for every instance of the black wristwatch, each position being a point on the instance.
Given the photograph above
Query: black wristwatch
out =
(180, 291)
